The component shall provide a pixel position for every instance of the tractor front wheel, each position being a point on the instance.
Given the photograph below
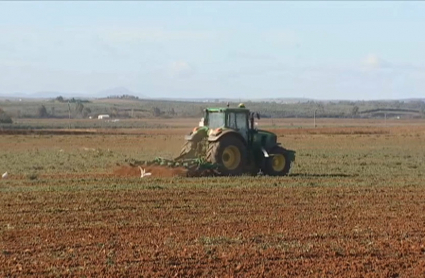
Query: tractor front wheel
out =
(279, 163)
(229, 152)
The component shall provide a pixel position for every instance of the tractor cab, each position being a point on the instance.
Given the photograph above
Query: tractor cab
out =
(236, 119)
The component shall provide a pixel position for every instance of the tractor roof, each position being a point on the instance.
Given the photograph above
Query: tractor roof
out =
(228, 109)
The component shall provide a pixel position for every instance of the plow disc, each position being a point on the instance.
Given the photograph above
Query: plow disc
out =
(191, 162)
(192, 167)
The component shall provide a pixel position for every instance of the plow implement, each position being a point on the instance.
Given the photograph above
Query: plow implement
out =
(192, 167)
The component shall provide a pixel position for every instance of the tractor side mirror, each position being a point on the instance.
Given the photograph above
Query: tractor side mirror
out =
(258, 116)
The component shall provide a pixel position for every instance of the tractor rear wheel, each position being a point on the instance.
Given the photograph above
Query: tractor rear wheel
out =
(279, 163)
(230, 153)
(188, 150)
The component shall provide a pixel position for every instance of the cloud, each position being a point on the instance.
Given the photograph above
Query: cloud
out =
(371, 68)
(180, 69)
(375, 62)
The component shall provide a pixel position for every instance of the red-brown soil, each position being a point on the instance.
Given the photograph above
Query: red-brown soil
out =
(257, 231)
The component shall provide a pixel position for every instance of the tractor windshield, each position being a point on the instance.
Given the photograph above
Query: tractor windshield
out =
(216, 120)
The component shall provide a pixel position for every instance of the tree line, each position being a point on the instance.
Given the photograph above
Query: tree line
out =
(74, 108)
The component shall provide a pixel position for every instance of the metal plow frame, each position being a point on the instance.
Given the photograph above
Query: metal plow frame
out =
(196, 167)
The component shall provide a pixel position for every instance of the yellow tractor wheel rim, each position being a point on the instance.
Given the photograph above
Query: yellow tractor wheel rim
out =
(231, 157)
(278, 162)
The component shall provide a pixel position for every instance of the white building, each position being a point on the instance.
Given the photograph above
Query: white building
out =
(105, 116)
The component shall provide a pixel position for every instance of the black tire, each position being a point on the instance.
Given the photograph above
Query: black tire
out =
(188, 151)
(221, 152)
(187, 148)
(274, 165)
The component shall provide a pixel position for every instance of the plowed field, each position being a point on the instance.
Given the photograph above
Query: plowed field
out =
(353, 206)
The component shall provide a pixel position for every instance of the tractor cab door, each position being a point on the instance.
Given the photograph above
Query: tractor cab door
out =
(238, 122)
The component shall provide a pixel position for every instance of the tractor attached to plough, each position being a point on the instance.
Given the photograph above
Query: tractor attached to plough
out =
(227, 142)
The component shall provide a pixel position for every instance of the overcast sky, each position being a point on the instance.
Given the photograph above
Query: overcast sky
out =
(322, 50)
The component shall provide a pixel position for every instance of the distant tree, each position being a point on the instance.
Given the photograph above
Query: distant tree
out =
(156, 112)
(355, 110)
(114, 112)
(171, 112)
(79, 108)
(42, 112)
(4, 118)
(60, 99)
(86, 112)
(422, 109)
(397, 104)
(320, 108)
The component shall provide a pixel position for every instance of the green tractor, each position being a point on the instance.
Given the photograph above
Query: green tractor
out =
(227, 137)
